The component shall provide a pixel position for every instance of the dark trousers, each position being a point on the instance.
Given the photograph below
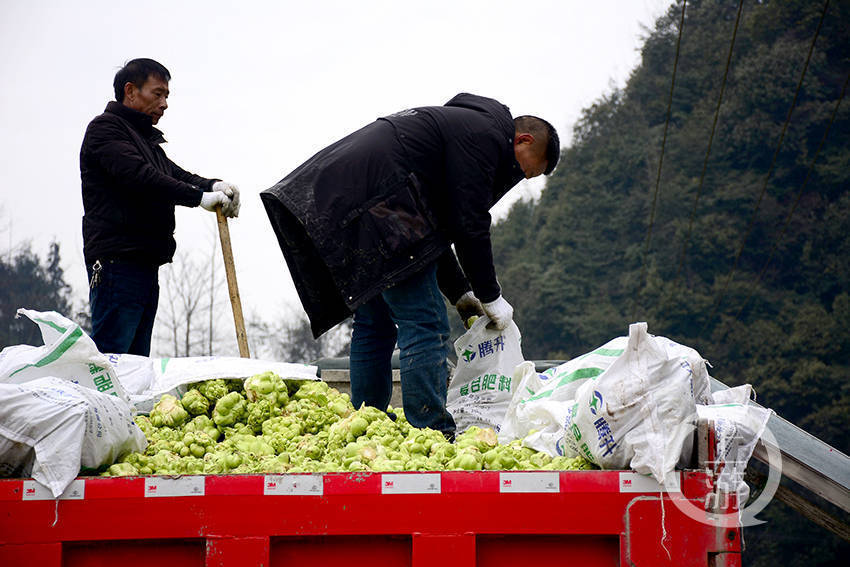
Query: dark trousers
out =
(414, 314)
(123, 303)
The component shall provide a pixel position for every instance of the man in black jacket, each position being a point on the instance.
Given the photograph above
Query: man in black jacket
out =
(367, 224)
(130, 189)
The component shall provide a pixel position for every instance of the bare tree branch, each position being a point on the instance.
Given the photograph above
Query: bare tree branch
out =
(290, 339)
(192, 287)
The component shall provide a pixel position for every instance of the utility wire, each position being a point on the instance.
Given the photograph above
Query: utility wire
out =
(797, 200)
(661, 159)
(710, 141)
(769, 173)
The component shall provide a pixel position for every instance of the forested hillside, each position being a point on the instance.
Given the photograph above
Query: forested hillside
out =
(742, 252)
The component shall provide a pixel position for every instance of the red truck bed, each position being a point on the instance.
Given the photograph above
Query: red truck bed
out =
(482, 518)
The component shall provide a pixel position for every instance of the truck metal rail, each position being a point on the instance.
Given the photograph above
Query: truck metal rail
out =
(481, 518)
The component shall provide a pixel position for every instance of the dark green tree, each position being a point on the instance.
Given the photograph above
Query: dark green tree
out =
(742, 252)
(28, 281)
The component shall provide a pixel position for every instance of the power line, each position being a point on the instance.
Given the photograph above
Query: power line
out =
(797, 200)
(661, 158)
(769, 173)
(710, 141)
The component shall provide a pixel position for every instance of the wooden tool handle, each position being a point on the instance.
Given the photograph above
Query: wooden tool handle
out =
(233, 288)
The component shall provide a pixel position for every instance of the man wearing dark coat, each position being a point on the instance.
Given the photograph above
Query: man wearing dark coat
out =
(130, 189)
(367, 227)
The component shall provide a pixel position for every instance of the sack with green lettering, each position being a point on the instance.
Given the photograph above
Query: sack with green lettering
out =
(540, 409)
(641, 412)
(68, 352)
(481, 386)
(51, 428)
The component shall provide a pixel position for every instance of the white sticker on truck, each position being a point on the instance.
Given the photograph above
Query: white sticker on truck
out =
(529, 482)
(182, 486)
(36, 491)
(427, 483)
(293, 485)
(634, 482)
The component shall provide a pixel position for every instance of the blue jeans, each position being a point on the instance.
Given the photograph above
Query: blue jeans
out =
(123, 306)
(413, 313)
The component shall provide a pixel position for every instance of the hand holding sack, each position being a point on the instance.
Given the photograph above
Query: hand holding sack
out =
(500, 312)
(467, 307)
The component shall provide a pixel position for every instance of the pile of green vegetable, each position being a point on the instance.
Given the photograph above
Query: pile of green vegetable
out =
(268, 425)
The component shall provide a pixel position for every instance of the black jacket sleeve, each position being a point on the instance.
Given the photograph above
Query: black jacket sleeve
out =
(181, 174)
(113, 148)
(471, 164)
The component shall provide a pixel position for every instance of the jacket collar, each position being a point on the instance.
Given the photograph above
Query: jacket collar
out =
(138, 120)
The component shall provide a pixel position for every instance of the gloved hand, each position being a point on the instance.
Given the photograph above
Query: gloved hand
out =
(211, 199)
(468, 306)
(500, 313)
(232, 191)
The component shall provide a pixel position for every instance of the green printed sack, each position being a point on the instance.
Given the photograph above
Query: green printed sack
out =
(68, 353)
(542, 403)
(640, 413)
(482, 385)
(51, 428)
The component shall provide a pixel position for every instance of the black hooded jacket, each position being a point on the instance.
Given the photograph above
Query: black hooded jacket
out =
(130, 188)
(385, 201)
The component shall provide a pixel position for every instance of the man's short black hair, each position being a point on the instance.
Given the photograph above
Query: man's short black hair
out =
(538, 127)
(137, 72)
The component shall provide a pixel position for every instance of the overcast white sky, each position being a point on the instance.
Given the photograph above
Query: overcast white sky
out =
(259, 86)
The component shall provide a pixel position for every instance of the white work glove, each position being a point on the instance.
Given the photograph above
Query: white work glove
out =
(232, 191)
(468, 307)
(211, 199)
(500, 312)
